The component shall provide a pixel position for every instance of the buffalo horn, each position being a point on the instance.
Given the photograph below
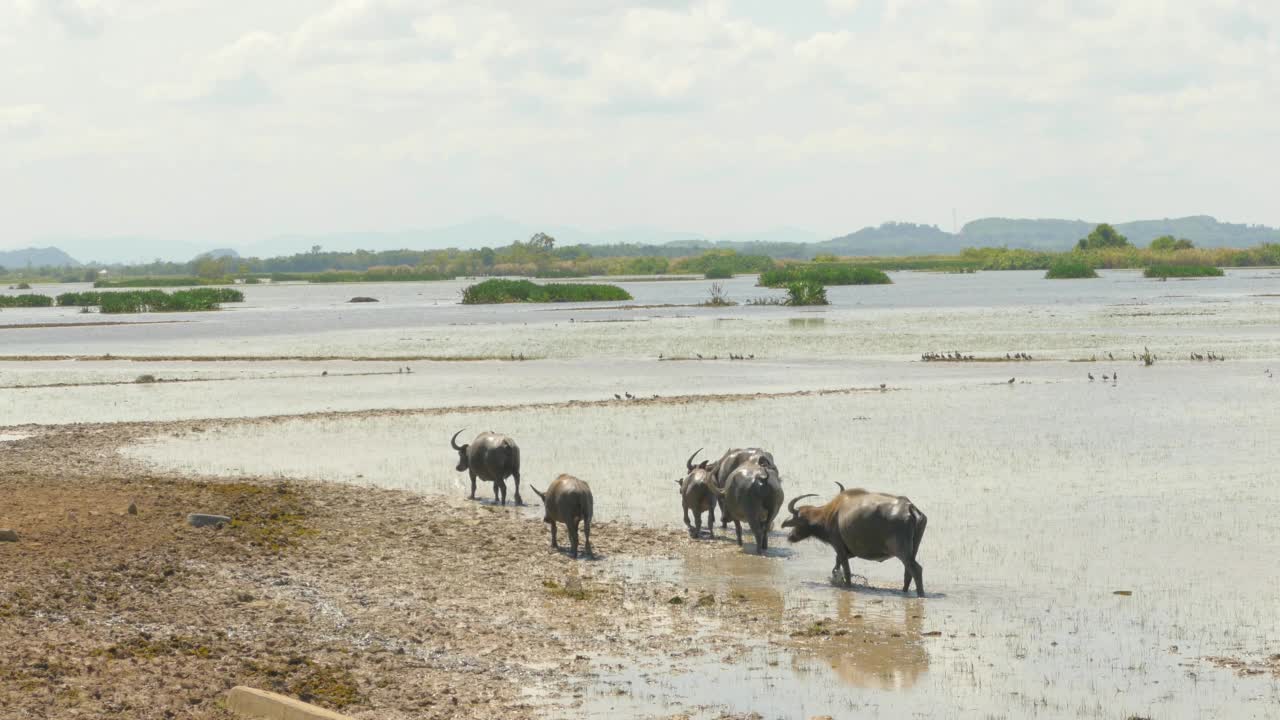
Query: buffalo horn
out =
(840, 485)
(791, 506)
(688, 464)
(454, 440)
(542, 496)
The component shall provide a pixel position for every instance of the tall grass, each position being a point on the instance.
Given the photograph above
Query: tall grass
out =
(26, 301)
(514, 291)
(807, 292)
(137, 301)
(1183, 271)
(1069, 267)
(824, 274)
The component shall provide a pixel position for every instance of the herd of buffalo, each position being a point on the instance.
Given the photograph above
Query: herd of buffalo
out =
(744, 484)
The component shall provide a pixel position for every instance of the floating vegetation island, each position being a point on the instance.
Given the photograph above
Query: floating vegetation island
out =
(526, 291)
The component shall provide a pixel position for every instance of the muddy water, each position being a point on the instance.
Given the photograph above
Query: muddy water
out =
(1044, 498)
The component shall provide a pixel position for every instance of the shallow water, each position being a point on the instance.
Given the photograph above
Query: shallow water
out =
(1044, 496)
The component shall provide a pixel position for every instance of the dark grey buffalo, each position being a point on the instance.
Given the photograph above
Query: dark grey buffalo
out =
(568, 500)
(722, 468)
(697, 495)
(752, 495)
(867, 525)
(492, 458)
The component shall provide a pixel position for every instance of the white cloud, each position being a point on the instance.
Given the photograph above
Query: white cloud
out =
(81, 18)
(493, 106)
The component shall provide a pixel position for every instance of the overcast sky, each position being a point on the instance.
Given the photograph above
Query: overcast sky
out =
(240, 119)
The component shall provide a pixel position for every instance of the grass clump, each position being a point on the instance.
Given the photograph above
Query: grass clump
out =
(717, 297)
(26, 301)
(825, 273)
(1182, 271)
(807, 292)
(138, 301)
(514, 291)
(1070, 268)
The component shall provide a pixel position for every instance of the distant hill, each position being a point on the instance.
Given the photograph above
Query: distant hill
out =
(1203, 230)
(36, 257)
(892, 238)
(218, 253)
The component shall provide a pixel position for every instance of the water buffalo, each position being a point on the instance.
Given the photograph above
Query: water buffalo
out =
(752, 494)
(697, 495)
(722, 468)
(492, 458)
(567, 501)
(867, 525)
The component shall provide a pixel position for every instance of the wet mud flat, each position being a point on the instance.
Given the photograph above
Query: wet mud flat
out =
(380, 603)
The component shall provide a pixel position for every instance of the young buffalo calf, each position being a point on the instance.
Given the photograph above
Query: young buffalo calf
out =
(698, 495)
(567, 501)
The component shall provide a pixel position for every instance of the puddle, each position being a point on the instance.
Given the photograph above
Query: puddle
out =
(13, 437)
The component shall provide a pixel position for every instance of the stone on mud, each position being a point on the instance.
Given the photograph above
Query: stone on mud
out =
(7, 535)
(199, 520)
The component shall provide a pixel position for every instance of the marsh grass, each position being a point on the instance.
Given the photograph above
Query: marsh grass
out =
(717, 297)
(807, 292)
(1182, 271)
(825, 274)
(25, 301)
(518, 291)
(137, 301)
(1070, 268)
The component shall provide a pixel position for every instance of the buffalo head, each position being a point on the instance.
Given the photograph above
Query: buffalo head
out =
(462, 451)
(804, 522)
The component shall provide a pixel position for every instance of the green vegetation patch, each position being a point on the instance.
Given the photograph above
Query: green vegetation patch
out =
(807, 292)
(25, 301)
(825, 274)
(1182, 271)
(1068, 268)
(515, 291)
(153, 300)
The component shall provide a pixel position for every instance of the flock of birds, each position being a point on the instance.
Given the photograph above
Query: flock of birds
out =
(957, 356)
(629, 396)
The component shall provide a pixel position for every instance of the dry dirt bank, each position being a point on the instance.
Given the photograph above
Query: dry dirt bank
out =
(380, 603)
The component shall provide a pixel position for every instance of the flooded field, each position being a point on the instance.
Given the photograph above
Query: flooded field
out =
(1092, 545)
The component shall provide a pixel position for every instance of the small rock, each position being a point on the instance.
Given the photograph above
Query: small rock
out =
(200, 520)
(7, 535)
(932, 633)
(1125, 593)
(133, 508)
(362, 299)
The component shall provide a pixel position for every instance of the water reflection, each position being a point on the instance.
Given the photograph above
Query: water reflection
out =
(868, 647)
(803, 323)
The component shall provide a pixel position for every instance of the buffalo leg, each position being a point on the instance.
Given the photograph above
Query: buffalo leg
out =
(516, 475)
(586, 529)
(688, 524)
(572, 526)
(711, 521)
(842, 563)
(906, 575)
(724, 517)
(918, 572)
(554, 544)
(737, 526)
(473, 486)
(500, 486)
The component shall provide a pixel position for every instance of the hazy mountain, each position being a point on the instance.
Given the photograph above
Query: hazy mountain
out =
(36, 257)
(891, 238)
(1203, 230)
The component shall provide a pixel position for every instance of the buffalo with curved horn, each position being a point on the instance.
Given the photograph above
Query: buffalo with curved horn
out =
(492, 458)
(696, 494)
(867, 525)
(752, 494)
(721, 470)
